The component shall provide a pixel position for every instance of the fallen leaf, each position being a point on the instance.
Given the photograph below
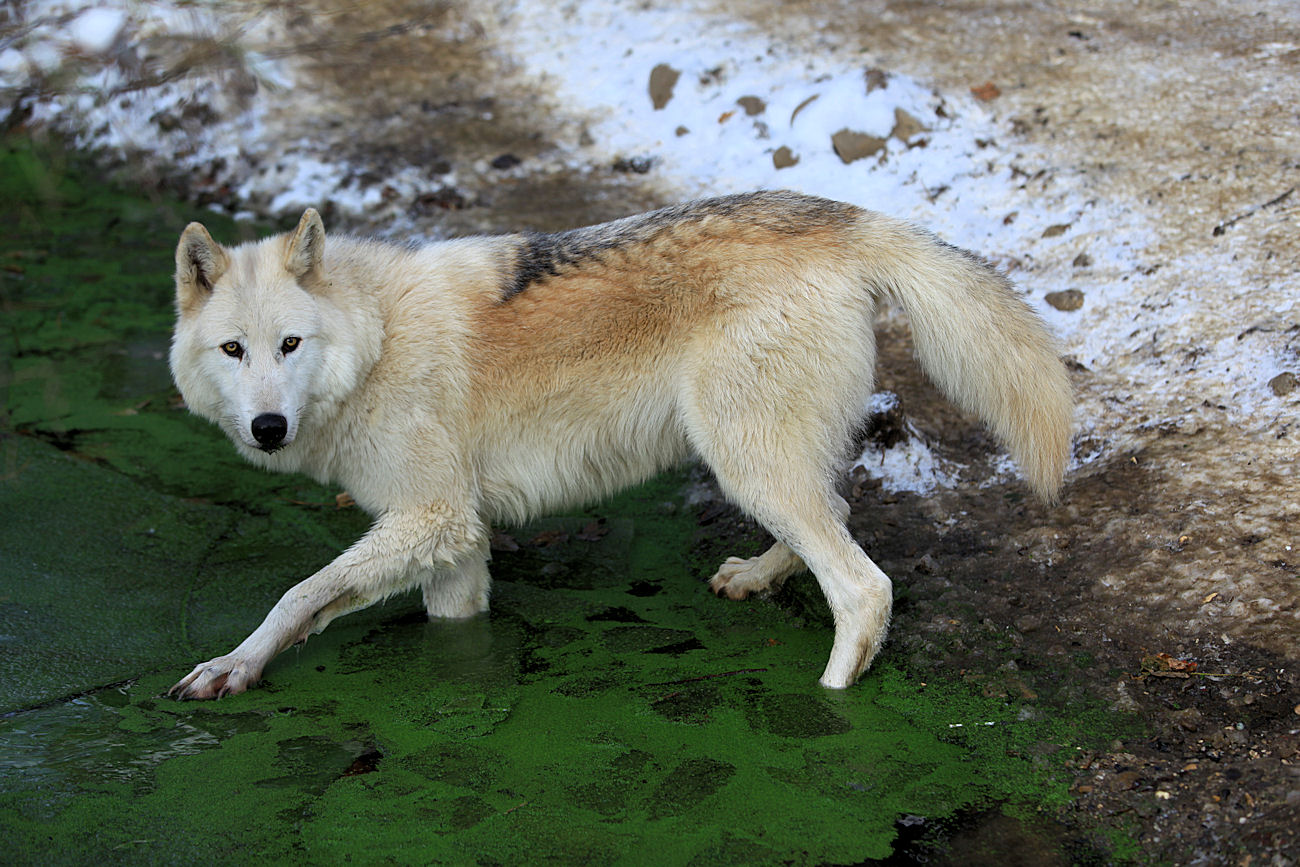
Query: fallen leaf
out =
(546, 538)
(504, 542)
(133, 410)
(1164, 665)
(986, 92)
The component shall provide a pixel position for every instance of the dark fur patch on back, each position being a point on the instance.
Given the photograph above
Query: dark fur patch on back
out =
(542, 256)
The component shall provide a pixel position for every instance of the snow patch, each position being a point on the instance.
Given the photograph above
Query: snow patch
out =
(909, 466)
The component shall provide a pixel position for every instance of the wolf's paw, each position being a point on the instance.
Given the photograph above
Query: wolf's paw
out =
(861, 623)
(225, 675)
(737, 578)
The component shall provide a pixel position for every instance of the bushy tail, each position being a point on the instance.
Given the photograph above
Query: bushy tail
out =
(980, 343)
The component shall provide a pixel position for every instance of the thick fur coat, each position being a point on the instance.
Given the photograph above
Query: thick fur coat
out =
(492, 379)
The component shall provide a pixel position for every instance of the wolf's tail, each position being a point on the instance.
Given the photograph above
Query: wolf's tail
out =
(980, 343)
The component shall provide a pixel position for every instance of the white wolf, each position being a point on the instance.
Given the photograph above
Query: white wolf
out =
(491, 379)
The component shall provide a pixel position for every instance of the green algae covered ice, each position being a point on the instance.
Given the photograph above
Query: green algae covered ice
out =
(609, 710)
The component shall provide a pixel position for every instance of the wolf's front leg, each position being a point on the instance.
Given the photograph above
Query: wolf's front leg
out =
(399, 547)
(459, 592)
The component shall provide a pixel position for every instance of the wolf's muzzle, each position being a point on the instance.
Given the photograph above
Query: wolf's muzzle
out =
(269, 429)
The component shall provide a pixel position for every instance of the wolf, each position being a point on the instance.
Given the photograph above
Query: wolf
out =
(482, 380)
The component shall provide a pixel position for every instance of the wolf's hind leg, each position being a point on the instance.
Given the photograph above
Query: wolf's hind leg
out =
(738, 577)
(789, 493)
(458, 592)
(860, 595)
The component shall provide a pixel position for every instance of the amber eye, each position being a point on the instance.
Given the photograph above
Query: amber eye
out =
(290, 344)
(233, 349)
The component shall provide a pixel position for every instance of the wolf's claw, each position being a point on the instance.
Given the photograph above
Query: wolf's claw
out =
(217, 678)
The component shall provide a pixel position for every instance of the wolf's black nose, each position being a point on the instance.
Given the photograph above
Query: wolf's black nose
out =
(269, 429)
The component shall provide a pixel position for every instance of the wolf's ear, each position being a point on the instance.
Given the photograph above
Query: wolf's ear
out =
(200, 262)
(306, 247)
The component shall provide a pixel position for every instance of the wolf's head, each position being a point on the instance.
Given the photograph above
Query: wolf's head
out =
(255, 347)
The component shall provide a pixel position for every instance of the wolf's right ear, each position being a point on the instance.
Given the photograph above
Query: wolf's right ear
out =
(200, 262)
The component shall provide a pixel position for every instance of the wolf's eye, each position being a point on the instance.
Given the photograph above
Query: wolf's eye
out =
(233, 349)
(290, 344)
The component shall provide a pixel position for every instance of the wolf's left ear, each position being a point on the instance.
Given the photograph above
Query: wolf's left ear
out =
(200, 262)
(306, 247)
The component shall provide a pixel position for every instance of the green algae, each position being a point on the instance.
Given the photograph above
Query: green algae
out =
(609, 710)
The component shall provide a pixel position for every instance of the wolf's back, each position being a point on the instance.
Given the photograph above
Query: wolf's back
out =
(979, 342)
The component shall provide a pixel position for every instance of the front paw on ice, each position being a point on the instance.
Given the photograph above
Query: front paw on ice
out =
(215, 679)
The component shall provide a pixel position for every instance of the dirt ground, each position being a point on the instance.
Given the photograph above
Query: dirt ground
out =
(1188, 111)
(1165, 583)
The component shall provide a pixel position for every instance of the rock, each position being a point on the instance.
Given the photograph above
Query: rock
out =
(506, 161)
(1188, 719)
(663, 78)
(782, 158)
(752, 105)
(1068, 300)
(906, 126)
(1056, 230)
(633, 165)
(1123, 781)
(850, 146)
(1029, 623)
(443, 198)
(1282, 385)
(1083, 260)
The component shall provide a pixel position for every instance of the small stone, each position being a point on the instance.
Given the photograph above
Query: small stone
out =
(1068, 300)
(1083, 260)
(782, 158)
(906, 126)
(1056, 230)
(681, 131)
(752, 105)
(851, 146)
(1029, 623)
(633, 165)
(506, 161)
(1188, 719)
(1124, 781)
(1282, 385)
(663, 78)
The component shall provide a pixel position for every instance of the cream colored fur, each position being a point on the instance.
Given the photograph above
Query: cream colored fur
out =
(492, 379)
